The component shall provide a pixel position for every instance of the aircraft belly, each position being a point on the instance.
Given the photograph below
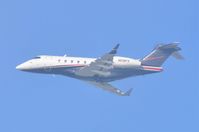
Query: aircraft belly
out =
(116, 74)
(123, 73)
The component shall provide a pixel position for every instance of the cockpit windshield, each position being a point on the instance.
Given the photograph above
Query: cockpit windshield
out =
(37, 57)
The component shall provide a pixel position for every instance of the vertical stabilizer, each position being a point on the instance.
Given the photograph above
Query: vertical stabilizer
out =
(161, 52)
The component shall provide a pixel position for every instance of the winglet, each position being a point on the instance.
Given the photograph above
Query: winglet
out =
(114, 50)
(117, 46)
(127, 93)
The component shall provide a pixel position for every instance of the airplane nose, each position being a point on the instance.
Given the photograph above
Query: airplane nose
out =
(25, 66)
(19, 67)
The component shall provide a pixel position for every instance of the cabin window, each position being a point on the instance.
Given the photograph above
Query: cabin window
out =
(71, 61)
(37, 57)
(65, 61)
(78, 62)
(84, 62)
(59, 60)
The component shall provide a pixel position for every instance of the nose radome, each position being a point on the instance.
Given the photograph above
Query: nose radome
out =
(28, 65)
(23, 66)
(19, 67)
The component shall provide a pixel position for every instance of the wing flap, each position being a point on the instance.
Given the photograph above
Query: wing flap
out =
(112, 89)
(105, 67)
(101, 73)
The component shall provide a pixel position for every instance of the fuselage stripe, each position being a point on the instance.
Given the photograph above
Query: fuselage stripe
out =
(151, 68)
(66, 66)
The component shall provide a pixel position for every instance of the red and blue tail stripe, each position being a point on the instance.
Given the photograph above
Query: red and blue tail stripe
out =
(152, 68)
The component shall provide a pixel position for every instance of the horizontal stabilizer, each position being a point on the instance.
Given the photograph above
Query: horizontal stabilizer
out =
(177, 55)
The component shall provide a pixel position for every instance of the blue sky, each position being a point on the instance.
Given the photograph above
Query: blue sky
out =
(165, 102)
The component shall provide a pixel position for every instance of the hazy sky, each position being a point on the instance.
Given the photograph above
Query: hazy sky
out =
(164, 102)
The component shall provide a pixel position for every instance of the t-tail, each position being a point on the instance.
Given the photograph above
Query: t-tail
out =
(160, 54)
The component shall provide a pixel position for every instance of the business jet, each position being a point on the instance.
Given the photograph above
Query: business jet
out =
(107, 68)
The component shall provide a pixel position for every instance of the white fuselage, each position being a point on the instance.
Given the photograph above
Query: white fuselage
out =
(122, 67)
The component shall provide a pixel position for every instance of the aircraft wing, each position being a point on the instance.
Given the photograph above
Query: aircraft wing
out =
(110, 88)
(101, 66)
